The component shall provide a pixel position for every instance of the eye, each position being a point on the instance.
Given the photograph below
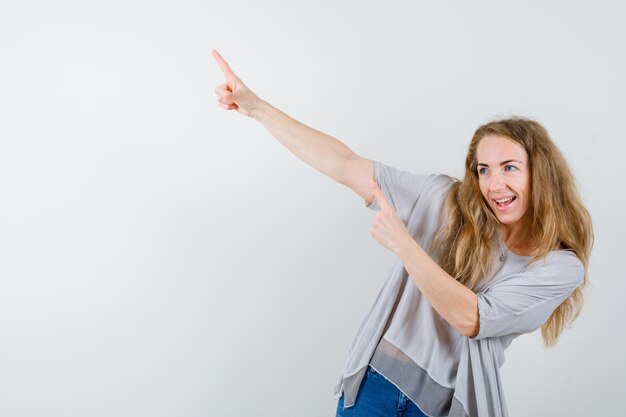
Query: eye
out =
(482, 171)
(513, 168)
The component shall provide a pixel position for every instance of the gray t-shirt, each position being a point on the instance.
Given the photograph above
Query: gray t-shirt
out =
(408, 342)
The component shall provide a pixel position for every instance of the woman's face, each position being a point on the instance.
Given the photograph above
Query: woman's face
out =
(504, 179)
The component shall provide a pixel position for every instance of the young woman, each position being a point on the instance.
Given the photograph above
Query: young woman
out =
(480, 261)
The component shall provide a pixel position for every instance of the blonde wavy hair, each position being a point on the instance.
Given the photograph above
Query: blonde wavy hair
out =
(467, 244)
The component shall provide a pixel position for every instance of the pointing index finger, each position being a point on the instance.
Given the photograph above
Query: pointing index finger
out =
(223, 64)
(378, 193)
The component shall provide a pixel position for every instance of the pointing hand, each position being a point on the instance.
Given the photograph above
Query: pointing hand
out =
(387, 228)
(234, 95)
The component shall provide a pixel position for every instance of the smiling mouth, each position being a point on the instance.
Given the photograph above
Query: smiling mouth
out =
(504, 203)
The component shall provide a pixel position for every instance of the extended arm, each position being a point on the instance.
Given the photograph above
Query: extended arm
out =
(321, 151)
(326, 154)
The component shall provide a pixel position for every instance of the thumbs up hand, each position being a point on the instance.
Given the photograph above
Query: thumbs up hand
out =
(234, 95)
(387, 228)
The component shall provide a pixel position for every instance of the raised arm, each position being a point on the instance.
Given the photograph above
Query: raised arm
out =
(326, 154)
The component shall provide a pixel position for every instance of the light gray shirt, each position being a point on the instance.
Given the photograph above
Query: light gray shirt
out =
(409, 343)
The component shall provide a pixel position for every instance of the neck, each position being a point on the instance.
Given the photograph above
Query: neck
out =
(514, 235)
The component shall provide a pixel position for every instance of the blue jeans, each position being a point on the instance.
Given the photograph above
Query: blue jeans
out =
(378, 397)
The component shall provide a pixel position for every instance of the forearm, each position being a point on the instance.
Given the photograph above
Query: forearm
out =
(323, 152)
(456, 303)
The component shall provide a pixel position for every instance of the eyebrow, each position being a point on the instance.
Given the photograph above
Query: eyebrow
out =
(503, 163)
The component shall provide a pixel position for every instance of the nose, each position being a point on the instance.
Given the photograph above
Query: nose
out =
(497, 183)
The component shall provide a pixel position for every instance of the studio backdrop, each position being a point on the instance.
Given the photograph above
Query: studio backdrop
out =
(160, 256)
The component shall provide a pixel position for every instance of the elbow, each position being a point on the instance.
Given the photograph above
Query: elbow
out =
(467, 327)
(471, 329)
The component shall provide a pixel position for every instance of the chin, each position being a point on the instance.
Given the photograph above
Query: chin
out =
(510, 220)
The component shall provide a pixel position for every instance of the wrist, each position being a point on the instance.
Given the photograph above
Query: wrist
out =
(260, 110)
(406, 247)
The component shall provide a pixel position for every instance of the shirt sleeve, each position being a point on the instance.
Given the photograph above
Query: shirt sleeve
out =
(522, 302)
(402, 189)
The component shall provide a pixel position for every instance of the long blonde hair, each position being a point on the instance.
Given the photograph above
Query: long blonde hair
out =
(466, 245)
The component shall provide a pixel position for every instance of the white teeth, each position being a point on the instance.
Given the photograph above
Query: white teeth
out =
(504, 200)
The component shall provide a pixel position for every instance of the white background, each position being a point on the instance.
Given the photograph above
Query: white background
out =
(160, 256)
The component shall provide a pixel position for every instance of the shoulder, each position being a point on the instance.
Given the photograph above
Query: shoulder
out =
(438, 188)
(403, 184)
(441, 183)
(561, 267)
(428, 179)
(444, 179)
(563, 258)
